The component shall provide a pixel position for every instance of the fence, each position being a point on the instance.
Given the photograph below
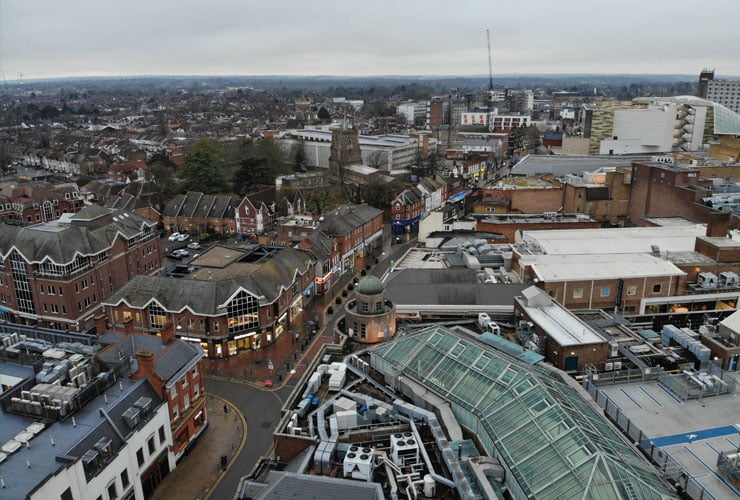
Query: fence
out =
(624, 376)
(671, 470)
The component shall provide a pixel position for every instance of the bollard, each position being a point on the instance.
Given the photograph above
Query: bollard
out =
(224, 460)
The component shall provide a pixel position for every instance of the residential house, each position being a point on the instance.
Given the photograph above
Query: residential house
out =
(38, 201)
(198, 213)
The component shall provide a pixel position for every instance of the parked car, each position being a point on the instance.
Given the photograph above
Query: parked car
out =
(181, 252)
(183, 237)
(174, 236)
(194, 245)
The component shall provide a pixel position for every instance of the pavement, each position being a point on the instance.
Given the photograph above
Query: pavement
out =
(198, 473)
(291, 353)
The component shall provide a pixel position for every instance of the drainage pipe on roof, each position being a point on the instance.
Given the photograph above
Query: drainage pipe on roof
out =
(391, 470)
(460, 483)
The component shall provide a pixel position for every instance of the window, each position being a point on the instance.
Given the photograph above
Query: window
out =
(112, 493)
(67, 494)
(657, 287)
(140, 457)
(378, 307)
(156, 316)
(578, 293)
(605, 291)
(186, 401)
(243, 312)
(150, 444)
(162, 438)
(632, 290)
(365, 307)
(553, 294)
(124, 479)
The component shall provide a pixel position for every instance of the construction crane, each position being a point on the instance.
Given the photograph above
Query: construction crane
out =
(490, 71)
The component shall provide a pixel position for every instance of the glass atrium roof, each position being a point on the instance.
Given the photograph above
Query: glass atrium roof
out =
(726, 121)
(555, 444)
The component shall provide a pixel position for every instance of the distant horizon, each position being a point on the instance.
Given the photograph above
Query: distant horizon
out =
(499, 76)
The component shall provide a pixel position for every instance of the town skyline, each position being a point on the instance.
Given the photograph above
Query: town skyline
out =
(46, 40)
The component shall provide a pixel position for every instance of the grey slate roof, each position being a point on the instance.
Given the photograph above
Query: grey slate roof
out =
(345, 219)
(204, 296)
(289, 486)
(71, 440)
(560, 165)
(142, 388)
(447, 287)
(198, 205)
(169, 360)
(172, 209)
(89, 232)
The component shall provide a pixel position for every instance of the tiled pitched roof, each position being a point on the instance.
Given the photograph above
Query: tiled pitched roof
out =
(62, 241)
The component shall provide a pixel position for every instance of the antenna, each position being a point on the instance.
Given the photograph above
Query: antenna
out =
(490, 71)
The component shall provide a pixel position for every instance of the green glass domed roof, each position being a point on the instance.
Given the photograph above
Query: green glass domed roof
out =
(370, 285)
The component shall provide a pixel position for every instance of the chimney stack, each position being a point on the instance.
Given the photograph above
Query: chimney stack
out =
(145, 359)
(718, 225)
(167, 333)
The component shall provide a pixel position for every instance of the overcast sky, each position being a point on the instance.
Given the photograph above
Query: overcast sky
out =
(53, 38)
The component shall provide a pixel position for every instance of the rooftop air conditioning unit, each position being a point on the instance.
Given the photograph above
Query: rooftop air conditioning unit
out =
(404, 449)
(358, 463)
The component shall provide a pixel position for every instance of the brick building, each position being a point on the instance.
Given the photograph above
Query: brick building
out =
(258, 212)
(520, 195)
(571, 343)
(229, 300)
(58, 274)
(607, 268)
(604, 195)
(355, 230)
(199, 213)
(509, 224)
(173, 367)
(407, 208)
(40, 201)
(666, 190)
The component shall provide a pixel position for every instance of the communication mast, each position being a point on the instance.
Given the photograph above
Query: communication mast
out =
(490, 70)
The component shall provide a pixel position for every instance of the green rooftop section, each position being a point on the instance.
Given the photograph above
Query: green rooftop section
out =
(511, 348)
(553, 443)
(649, 334)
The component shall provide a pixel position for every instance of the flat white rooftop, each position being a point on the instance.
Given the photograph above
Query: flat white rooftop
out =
(562, 326)
(630, 240)
(551, 268)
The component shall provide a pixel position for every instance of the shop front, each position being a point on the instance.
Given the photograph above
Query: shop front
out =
(244, 341)
(323, 285)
